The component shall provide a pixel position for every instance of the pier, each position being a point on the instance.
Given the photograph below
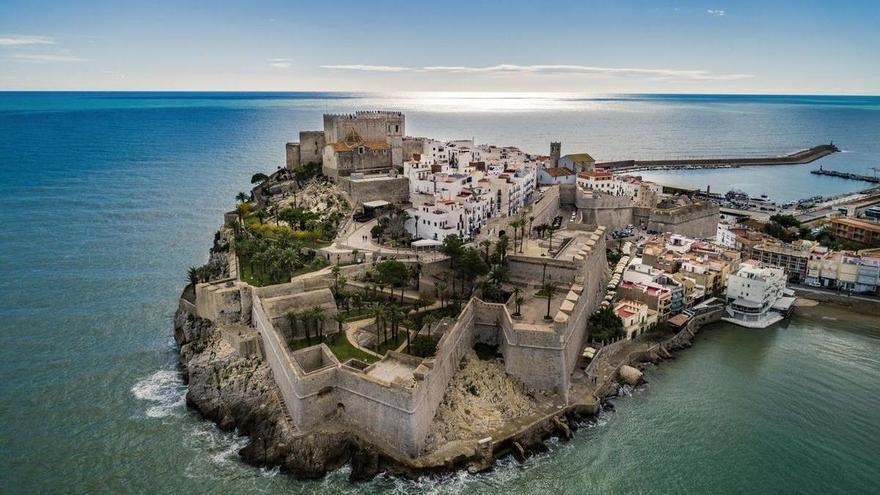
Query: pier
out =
(798, 158)
(847, 175)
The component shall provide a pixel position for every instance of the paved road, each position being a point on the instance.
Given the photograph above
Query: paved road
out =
(828, 292)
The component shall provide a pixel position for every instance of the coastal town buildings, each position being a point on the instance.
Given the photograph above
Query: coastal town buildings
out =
(706, 265)
(857, 230)
(457, 187)
(757, 296)
(636, 316)
(846, 271)
(792, 257)
(656, 288)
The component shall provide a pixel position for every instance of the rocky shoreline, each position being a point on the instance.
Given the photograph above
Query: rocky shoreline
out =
(240, 394)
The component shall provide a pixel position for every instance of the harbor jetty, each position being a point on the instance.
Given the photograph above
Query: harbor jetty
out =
(801, 157)
(847, 175)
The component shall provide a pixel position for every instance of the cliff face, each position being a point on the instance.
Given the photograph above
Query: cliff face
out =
(239, 393)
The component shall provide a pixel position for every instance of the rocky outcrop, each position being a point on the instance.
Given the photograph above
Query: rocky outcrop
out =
(239, 393)
(631, 376)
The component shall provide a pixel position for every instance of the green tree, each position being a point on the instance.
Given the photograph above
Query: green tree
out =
(605, 325)
(486, 244)
(470, 267)
(258, 178)
(453, 247)
(319, 315)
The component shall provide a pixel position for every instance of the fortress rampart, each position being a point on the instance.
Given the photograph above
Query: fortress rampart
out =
(392, 402)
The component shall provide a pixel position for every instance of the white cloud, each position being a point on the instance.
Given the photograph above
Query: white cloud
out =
(368, 68)
(716, 12)
(28, 57)
(552, 69)
(19, 40)
(279, 63)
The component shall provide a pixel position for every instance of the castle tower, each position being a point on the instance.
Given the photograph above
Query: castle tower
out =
(555, 153)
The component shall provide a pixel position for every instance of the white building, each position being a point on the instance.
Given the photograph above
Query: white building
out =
(757, 296)
(724, 236)
(456, 187)
(642, 192)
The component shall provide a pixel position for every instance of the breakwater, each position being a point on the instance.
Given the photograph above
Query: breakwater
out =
(846, 175)
(800, 157)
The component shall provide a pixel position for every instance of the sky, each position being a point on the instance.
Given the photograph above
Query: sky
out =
(624, 46)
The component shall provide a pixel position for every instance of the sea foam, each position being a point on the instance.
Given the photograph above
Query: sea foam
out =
(165, 391)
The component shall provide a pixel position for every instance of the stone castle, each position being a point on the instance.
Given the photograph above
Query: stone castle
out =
(360, 142)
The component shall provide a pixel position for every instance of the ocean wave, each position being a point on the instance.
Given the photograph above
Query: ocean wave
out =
(165, 391)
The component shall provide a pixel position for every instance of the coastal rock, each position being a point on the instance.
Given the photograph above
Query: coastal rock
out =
(240, 393)
(631, 376)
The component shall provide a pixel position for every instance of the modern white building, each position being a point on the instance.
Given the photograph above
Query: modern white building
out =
(757, 296)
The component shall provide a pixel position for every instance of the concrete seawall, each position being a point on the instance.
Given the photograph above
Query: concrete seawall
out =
(801, 157)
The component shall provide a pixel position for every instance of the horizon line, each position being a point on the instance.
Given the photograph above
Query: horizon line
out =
(336, 91)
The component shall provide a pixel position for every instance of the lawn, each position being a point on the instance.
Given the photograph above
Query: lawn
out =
(340, 347)
(392, 344)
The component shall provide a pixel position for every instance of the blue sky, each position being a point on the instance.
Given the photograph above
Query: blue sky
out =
(713, 46)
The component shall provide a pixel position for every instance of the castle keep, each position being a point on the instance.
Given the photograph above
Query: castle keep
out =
(360, 142)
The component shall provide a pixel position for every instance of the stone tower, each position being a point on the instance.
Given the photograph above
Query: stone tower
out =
(555, 153)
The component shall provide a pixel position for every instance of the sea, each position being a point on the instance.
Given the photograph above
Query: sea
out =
(108, 198)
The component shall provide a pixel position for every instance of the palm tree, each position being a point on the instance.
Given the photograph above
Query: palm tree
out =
(428, 321)
(318, 316)
(377, 311)
(514, 225)
(441, 290)
(395, 315)
(340, 319)
(241, 197)
(531, 219)
(519, 300)
(193, 275)
(486, 244)
(242, 210)
(549, 290)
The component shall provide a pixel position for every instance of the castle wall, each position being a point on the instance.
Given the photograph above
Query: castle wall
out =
(699, 222)
(221, 301)
(371, 188)
(369, 125)
(342, 163)
(546, 207)
(292, 151)
(614, 212)
(311, 147)
(412, 146)
(531, 269)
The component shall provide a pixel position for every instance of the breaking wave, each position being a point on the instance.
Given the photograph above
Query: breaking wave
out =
(165, 391)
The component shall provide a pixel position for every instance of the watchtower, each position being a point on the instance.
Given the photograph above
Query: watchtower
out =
(555, 153)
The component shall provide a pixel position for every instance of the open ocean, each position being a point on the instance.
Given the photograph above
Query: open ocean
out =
(109, 197)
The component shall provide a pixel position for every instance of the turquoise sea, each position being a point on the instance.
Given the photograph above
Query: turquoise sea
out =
(109, 197)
